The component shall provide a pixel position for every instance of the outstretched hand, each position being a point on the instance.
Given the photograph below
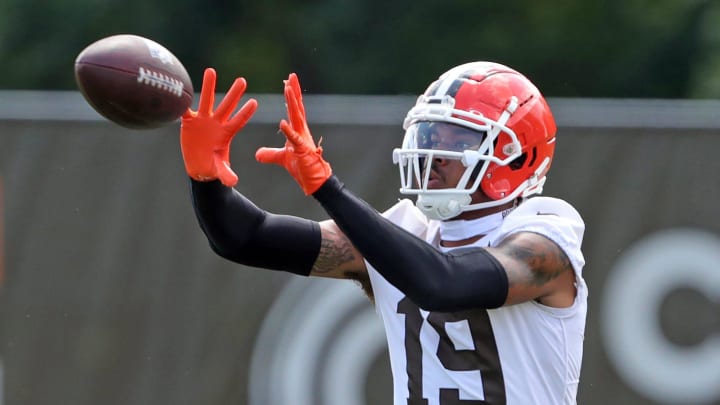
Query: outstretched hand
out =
(205, 135)
(300, 156)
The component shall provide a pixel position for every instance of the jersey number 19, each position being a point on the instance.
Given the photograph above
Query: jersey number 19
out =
(482, 358)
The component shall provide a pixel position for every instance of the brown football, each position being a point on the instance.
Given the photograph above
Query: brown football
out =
(133, 81)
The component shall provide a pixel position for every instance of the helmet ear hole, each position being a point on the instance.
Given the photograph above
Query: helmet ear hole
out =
(519, 162)
(534, 156)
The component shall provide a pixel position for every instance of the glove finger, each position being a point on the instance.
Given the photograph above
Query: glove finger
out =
(271, 155)
(231, 99)
(238, 121)
(224, 172)
(295, 109)
(207, 94)
(294, 82)
(299, 142)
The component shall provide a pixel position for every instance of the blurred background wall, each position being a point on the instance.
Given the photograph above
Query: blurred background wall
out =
(112, 295)
(109, 293)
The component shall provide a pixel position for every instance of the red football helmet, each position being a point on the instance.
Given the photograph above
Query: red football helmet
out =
(513, 122)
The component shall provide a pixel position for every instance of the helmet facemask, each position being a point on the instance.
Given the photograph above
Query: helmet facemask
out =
(419, 150)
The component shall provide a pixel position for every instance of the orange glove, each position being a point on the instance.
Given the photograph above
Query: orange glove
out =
(205, 135)
(300, 157)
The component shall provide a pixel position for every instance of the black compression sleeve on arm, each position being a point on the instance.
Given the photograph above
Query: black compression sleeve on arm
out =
(240, 231)
(462, 279)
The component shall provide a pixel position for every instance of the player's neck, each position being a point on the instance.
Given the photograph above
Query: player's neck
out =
(471, 226)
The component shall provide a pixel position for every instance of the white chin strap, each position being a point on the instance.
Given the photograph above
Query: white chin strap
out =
(442, 206)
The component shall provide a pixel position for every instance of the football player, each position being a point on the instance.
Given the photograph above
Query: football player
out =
(479, 285)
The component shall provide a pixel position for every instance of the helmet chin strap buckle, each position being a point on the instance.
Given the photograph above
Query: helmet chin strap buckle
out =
(442, 206)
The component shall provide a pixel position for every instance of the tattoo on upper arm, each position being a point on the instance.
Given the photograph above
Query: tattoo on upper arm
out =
(335, 250)
(338, 258)
(544, 259)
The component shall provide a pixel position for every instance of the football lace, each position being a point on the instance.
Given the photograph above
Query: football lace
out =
(161, 81)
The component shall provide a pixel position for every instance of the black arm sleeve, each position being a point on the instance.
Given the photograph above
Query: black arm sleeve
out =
(462, 279)
(241, 232)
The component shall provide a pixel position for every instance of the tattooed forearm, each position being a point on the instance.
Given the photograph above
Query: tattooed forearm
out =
(335, 251)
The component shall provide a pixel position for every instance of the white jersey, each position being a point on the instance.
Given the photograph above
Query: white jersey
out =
(521, 354)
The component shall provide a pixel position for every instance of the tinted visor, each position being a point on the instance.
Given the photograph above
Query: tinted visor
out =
(445, 136)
